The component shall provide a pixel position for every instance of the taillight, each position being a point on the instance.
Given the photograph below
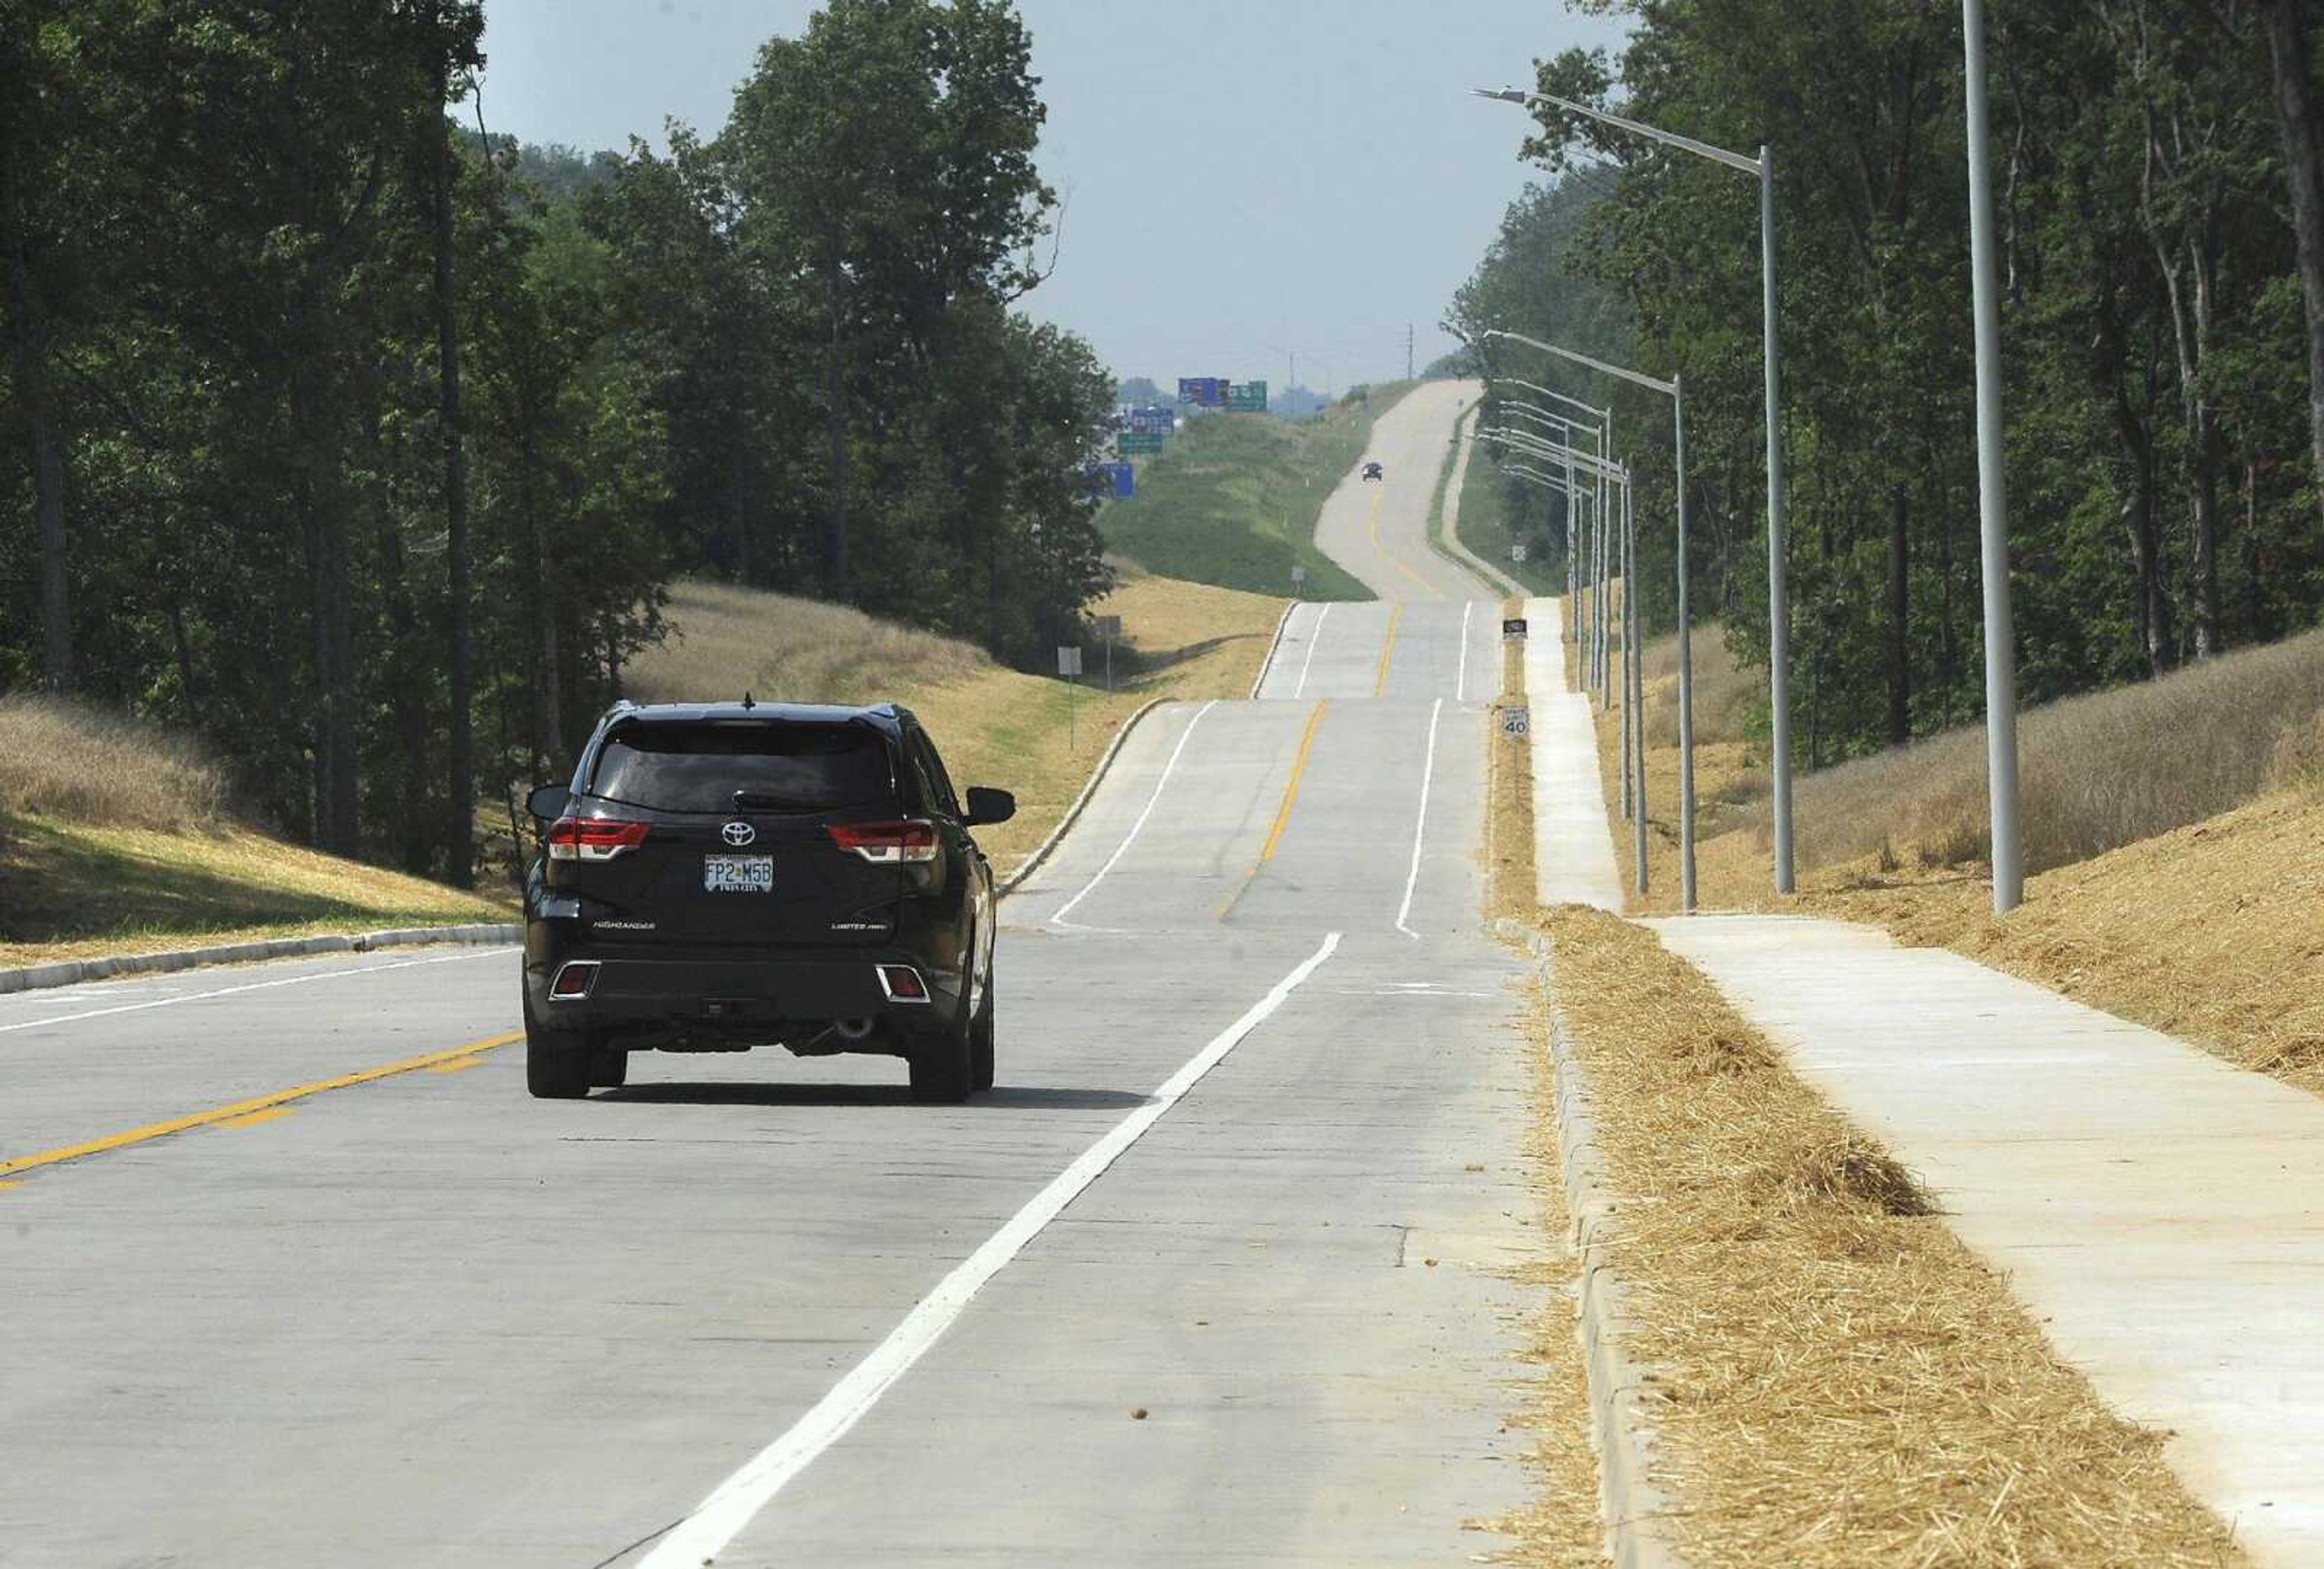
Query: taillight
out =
(911, 840)
(593, 838)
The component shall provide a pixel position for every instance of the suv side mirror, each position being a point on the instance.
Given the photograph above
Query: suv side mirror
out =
(989, 806)
(547, 802)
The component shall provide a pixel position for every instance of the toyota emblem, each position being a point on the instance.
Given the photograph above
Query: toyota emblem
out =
(738, 833)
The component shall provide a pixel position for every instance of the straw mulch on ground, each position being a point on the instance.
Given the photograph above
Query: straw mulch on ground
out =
(1844, 1382)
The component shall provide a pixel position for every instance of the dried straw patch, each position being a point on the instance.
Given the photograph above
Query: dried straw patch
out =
(1561, 1526)
(1843, 1382)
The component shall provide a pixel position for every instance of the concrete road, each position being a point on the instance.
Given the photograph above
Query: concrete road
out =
(1379, 529)
(1220, 1273)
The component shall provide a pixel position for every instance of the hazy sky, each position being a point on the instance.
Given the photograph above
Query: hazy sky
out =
(1241, 177)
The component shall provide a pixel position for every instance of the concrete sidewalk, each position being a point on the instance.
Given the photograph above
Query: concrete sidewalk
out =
(1572, 853)
(2158, 1210)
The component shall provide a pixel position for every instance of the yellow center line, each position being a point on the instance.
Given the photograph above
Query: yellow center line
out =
(1397, 561)
(1282, 812)
(240, 1110)
(1291, 790)
(254, 1118)
(1395, 613)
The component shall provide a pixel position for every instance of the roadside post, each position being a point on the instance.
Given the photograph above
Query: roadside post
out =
(1298, 577)
(1069, 666)
(1109, 627)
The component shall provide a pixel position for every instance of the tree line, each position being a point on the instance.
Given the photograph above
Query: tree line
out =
(2160, 192)
(346, 431)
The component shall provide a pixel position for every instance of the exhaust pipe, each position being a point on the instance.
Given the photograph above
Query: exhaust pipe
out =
(852, 1028)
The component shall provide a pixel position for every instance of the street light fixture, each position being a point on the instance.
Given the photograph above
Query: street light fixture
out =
(1675, 390)
(1778, 598)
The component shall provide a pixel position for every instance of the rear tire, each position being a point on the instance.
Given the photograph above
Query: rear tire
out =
(609, 1067)
(942, 1072)
(979, 1042)
(556, 1061)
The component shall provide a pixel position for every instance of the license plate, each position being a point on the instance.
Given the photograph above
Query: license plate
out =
(738, 874)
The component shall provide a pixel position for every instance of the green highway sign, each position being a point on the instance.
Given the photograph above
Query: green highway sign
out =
(1128, 442)
(1248, 397)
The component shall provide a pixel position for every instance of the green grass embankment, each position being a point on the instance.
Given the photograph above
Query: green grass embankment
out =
(1232, 500)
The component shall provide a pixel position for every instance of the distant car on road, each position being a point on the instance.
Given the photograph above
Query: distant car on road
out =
(718, 877)
(1372, 471)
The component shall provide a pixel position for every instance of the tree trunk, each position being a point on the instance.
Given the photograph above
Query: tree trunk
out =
(28, 358)
(460, 829)
(2303, 171)
(834, 532)
(1898, 639)
(547, 695)
(2203, 456)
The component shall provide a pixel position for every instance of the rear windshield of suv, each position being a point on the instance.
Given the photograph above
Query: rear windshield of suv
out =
(774, 767)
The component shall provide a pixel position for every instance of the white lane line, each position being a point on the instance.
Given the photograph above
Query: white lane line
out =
(1058, 918)
(720, 1518)
(1461, 685)
(1420, 824)
(1314, 636)
(499, 951)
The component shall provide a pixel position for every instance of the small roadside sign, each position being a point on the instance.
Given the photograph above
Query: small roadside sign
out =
(1069, 661)
(1298, 575)
(1516, 720)
(1513, 629)
(1128, 443)
(1516, 552)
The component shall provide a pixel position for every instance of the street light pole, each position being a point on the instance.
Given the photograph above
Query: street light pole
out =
(1779, 610)
(1675, 390)
(1992, 491)
(1778, 597)
(1634, 670)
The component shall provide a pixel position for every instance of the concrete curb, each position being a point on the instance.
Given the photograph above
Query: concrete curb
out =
(1632, 1507)
(1273, 644)
(73, 972)
(1031, 863)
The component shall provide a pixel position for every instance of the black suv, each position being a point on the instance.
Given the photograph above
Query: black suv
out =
(730, 876)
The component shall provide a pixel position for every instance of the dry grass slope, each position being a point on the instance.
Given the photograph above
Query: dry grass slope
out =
(2096, 772)
(728, 640)
(116, 836)
(67, 760)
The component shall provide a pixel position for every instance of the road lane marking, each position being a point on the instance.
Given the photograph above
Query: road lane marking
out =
(1420, 824)
(246, 1109)
(1314, 636)
(1282, 812)
(1395, 615)
(1058, 919)
(498, 951)
(733, 1503)
(253, 1119)
(1291, 788)
(1460, 682)
(1396, 561)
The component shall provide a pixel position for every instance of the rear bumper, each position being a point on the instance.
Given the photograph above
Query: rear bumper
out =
(755, 997)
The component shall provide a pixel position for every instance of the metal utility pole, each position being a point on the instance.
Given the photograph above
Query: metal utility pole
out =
(1408, 351)
(1778, 599)
(1633, 667)
(1992, 491)
(1674, 390)
(1685, 669)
